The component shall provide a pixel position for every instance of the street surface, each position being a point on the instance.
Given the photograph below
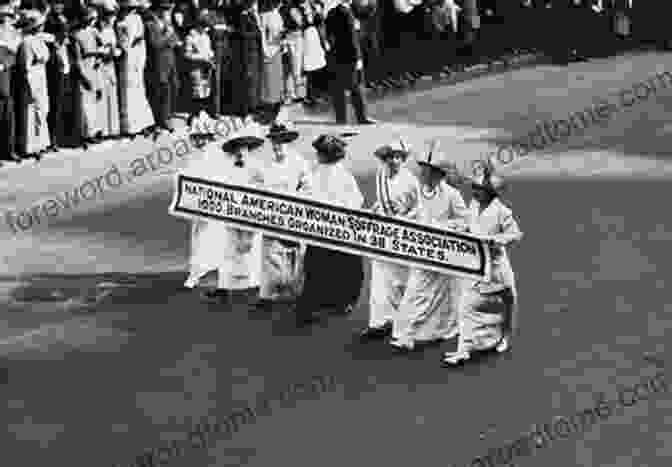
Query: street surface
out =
(105, 356)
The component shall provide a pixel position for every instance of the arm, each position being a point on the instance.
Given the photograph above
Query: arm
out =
(510, 232)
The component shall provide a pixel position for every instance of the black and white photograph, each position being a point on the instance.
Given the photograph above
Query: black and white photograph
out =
(250, 233)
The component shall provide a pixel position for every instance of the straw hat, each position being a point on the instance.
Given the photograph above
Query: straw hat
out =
(281, 133)
(249, 138)
(397, 147)
(436, 160)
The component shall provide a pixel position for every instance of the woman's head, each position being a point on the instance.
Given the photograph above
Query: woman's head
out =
(486, 187)
(431, 176)
(329, 149)
(393, 156)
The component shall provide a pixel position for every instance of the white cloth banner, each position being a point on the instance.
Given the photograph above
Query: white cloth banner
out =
(354, 231)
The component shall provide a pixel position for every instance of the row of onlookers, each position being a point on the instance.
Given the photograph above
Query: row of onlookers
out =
(74, 72)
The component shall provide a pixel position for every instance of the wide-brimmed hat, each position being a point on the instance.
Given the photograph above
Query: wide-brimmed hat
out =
(281, 133)
(332, 147)
(389, 150)
(249, 137)
(89, 13)
(436, 159)
(31, 19)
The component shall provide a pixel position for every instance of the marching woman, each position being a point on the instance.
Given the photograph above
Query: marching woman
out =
(397, 192)
(235, 253)
(109, 108)
(428, 310)
(332, 279)
(487, 318)
(281, 259)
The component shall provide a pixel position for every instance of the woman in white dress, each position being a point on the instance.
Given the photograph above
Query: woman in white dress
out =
(397, 192)
(235, 253)
(33, 54)
(109, 105)
(428, 310)
(286, 173)
(136, 114)
(487, 317)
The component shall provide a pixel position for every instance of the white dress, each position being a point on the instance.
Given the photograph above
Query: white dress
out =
(396, 197)
(479, 329)
(428, 310)
(135, 112)
(234, 253)
(280, 270)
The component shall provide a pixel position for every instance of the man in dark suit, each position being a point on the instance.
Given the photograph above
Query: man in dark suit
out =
(346, 62)
(162, 64)
(9, 42)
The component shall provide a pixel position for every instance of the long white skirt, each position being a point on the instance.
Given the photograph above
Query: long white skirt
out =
(314, 57)
(234, 253)
(428, 310)
(388, 284)
(280, 270)
(482, 318)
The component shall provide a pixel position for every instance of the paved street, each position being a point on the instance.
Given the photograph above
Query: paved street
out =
(105, 357)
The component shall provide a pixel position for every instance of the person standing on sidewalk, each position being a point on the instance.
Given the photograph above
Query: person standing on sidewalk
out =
(89, 94)
(397, 192)
(33, 54)
(162, 64)
(135, 113)
(9, 44)
(346, 63)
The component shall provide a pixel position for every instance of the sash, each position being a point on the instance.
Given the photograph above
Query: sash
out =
(383, 192)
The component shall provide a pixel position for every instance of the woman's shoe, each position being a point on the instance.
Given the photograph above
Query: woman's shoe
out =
(215, 296)
(370, 333)
(455, 358)
(399, 347)
(504, 345)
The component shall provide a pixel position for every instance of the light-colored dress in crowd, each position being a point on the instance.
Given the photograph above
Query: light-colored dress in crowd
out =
(314, 56)
(109, 104)
(429, 308)
(281, 267)
(396, 197)
(136, 114)
(295, 81)
(199, 55)
(32, 58)
(89, 94)
(272, 87)
(481, 328)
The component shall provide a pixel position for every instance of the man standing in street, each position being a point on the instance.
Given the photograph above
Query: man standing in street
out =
(162, 64)
(346, 62)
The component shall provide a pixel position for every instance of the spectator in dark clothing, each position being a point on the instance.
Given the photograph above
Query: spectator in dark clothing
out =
(59, 76)
(221, 44)
(247, 60)
(162, 41)
(346, 63)
(8, 48)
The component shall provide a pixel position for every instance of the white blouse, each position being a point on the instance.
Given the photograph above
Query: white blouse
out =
(334, 184)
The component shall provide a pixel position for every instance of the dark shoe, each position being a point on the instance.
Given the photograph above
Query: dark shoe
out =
(367, 121)
(262, 304)
(370, 333)
(304, 319)
(215, 296)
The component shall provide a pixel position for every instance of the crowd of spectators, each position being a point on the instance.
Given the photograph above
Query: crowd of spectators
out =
(76, 72)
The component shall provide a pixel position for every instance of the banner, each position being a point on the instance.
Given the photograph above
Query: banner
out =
(352, 231)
